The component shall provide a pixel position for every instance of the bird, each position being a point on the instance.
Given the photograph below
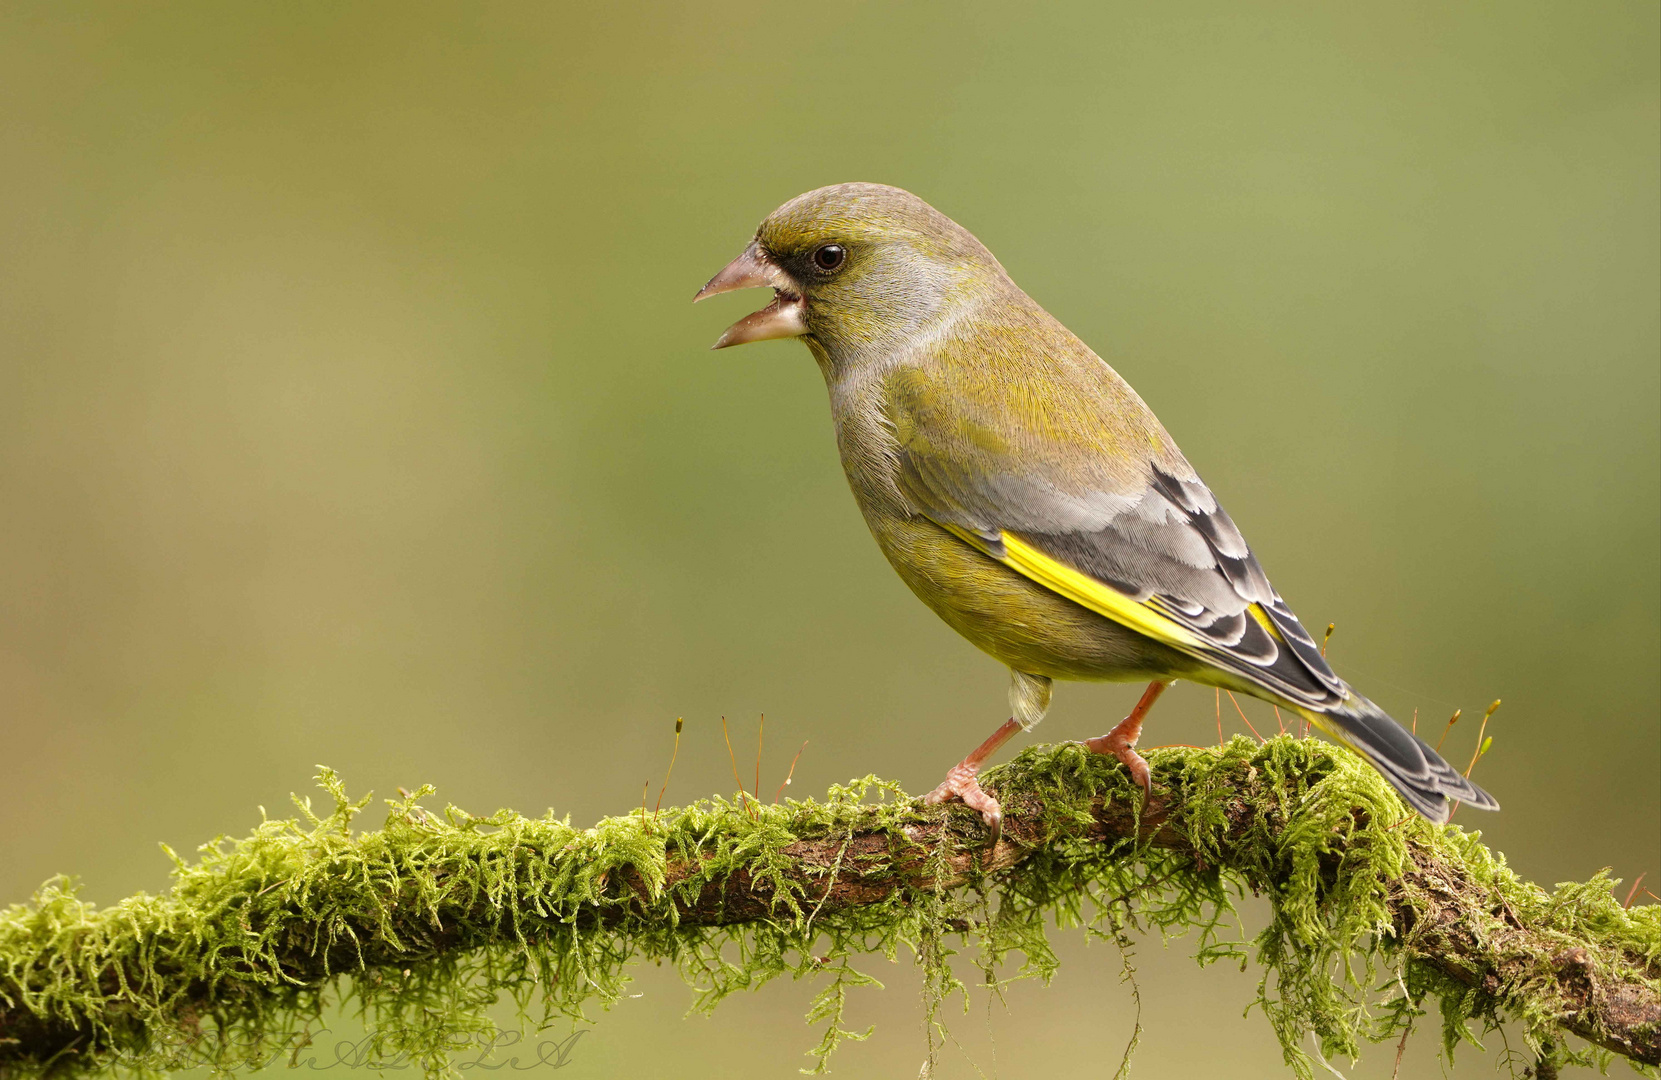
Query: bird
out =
(1024, 492)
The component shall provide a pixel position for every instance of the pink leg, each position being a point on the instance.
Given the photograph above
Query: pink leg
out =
(1120, 742)
(960, 782)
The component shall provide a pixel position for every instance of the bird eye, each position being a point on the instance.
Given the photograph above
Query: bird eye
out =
(829, 257)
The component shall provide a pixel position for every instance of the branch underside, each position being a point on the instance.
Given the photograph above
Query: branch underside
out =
(251, 936)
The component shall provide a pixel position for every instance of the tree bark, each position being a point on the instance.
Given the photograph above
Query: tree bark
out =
(1467, 932)
(79, 986)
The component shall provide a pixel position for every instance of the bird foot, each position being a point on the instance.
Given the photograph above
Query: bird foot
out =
(1121, 744)
(1121, 741)
(960, 784)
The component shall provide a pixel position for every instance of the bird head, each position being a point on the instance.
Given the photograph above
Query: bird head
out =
(855, 267)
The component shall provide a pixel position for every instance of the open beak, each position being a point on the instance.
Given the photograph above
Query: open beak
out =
(785, 317)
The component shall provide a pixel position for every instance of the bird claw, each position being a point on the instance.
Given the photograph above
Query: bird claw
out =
(1115, 744)
(1121, 741)
(960, 784)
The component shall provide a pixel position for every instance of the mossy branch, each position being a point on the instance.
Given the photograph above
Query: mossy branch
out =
(426, 922)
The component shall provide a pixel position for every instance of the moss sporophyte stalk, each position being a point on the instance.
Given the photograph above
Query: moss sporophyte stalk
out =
(422, 925)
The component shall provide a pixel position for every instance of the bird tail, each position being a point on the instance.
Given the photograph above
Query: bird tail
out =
(1426, 781)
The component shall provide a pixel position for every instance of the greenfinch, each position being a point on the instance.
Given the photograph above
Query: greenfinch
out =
(1025, 492)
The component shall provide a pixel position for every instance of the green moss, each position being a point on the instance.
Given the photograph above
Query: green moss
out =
(424, 924)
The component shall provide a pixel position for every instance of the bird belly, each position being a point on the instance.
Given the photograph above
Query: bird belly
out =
(1012, 617)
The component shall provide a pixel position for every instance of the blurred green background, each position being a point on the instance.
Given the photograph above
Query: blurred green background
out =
(352, 410)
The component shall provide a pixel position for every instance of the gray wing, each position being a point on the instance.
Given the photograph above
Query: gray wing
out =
(1167, 544)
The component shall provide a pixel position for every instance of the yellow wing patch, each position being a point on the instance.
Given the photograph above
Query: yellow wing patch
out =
(1086, 591)
(1143, 617)
(1103, 599)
